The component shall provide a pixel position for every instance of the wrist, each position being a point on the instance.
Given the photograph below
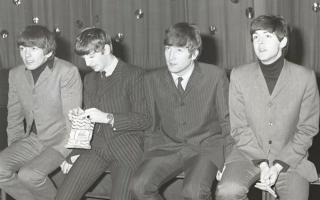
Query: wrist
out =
(263, 165)
(278, 167)
(110, 118)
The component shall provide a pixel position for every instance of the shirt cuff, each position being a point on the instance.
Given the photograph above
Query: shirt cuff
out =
(283, 164)
(257, 162)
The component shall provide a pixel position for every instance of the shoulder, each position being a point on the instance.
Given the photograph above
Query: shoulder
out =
(155, 74)
(299, 71)
(244, 71)
(210, 70)
(64, 66)
(130, 69)
(16, 71)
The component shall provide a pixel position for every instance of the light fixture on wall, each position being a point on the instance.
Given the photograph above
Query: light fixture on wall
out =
(139, 13)
(212, 29)
(57, 31)
(250, 12)
(35, 20)
(17, 2)
(4, 34)
(316, 6)
(119, 37)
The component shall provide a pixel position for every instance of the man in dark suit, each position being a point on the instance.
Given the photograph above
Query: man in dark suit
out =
(41, 92)
(274, 115)
(114, 100)
(188, 102)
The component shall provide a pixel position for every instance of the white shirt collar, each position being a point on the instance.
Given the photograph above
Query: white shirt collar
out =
(109, 69)
(186, 76)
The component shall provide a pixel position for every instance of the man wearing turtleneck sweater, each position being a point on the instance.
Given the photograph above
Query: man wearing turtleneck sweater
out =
(41, 92)
(274, 115)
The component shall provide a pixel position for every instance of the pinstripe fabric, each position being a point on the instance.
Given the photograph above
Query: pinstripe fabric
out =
(199, 116)
(190, 128)
(118, 147)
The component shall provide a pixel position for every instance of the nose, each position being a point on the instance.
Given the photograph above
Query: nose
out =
(170, 53)
(26, 52)
(87, 61)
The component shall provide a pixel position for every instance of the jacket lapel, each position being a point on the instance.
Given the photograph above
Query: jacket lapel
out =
(169, 82)
(105, 84)
(282, 80)
(44, 76)
(195, 77)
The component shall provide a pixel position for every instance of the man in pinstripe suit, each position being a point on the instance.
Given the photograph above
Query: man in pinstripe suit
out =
(115, 102)
(188, 102)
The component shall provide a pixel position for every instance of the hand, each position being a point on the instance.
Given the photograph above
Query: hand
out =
(267, 188)
(75, 113)
(220, 173)
(96, 115)
(274, 172)
(65, 166)
(264, 173)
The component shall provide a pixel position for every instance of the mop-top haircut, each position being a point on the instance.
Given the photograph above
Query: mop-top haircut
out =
(92, 40)
(38, 36)
(184, 35)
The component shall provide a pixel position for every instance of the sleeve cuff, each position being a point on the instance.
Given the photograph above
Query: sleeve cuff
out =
(283, 164)
(257, 162)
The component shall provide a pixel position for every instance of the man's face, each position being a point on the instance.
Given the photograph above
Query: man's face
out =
(95, 60)
(267, 46)
(33, 57)
(178, 59)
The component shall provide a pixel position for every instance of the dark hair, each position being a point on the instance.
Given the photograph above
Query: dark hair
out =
(39, 36)
(273, 24)
(184, 35)
(91, 40)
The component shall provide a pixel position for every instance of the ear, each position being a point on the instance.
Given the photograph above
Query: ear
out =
(195, 54)
(48, 55)
(283, 42)
(107, 49)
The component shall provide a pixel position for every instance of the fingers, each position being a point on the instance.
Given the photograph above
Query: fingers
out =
(267, 188)
(65, 167)
(74, 158)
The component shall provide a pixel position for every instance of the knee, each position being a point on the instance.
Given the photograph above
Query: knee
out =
(230, 191)
(196, 191)
(31, 177)
(140, 186)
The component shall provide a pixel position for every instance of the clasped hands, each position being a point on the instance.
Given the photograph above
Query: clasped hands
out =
(93, 114)
(268, 177)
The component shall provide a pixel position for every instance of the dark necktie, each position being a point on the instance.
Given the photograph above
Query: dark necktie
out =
(103, 74)
(180, 88)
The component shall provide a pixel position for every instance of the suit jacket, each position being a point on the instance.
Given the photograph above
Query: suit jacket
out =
(47, 103)
(121, 94)
(279, 126)
(198, 117)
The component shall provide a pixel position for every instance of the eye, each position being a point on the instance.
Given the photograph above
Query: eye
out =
(254, 37)
(21, 48)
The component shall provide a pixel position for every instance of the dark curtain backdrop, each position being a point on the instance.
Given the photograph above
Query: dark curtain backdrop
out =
(143, 38)
(227, 47)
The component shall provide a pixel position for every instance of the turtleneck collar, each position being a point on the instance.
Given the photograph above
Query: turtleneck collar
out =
(272, 70)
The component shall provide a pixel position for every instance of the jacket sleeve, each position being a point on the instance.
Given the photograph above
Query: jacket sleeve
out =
(15, 128)
(71, 97)
(241, 131)
(138, 119)
(307, 126)
(221, 101)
